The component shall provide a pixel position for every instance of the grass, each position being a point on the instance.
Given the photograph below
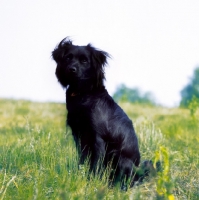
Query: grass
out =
(38, 159)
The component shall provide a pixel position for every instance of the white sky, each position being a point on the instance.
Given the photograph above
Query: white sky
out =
(154, 44)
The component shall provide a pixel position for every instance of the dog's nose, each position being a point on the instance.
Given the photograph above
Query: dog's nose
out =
(73, 69)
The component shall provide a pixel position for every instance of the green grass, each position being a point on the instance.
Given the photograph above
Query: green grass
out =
(38, 159)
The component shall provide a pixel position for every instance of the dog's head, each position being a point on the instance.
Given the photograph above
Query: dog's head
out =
(79, 65)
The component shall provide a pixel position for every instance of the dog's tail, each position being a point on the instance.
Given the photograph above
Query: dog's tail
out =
(146, 169)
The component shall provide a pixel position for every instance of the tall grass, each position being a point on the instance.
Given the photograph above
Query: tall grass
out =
(38, 159)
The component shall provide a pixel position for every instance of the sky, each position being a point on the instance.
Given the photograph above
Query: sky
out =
(154, 44)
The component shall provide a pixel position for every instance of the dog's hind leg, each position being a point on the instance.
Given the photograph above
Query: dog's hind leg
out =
(123, 173)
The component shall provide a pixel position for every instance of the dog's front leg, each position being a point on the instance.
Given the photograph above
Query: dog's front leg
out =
(82, 147)
(97, 156)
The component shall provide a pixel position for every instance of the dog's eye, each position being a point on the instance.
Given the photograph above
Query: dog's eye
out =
(68, 57)
(83, 59)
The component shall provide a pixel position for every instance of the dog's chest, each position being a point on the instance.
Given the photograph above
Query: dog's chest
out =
(78, 113)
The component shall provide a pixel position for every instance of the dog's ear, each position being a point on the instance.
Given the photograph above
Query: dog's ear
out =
(61, 49)
(98, 56)
(99, 60)
(58, 55)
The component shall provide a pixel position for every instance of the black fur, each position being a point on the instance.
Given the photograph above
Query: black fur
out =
(101, 129)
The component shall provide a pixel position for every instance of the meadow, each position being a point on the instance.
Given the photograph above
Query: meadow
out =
(38, 159)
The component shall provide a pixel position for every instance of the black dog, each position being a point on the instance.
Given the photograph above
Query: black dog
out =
(101, 130)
